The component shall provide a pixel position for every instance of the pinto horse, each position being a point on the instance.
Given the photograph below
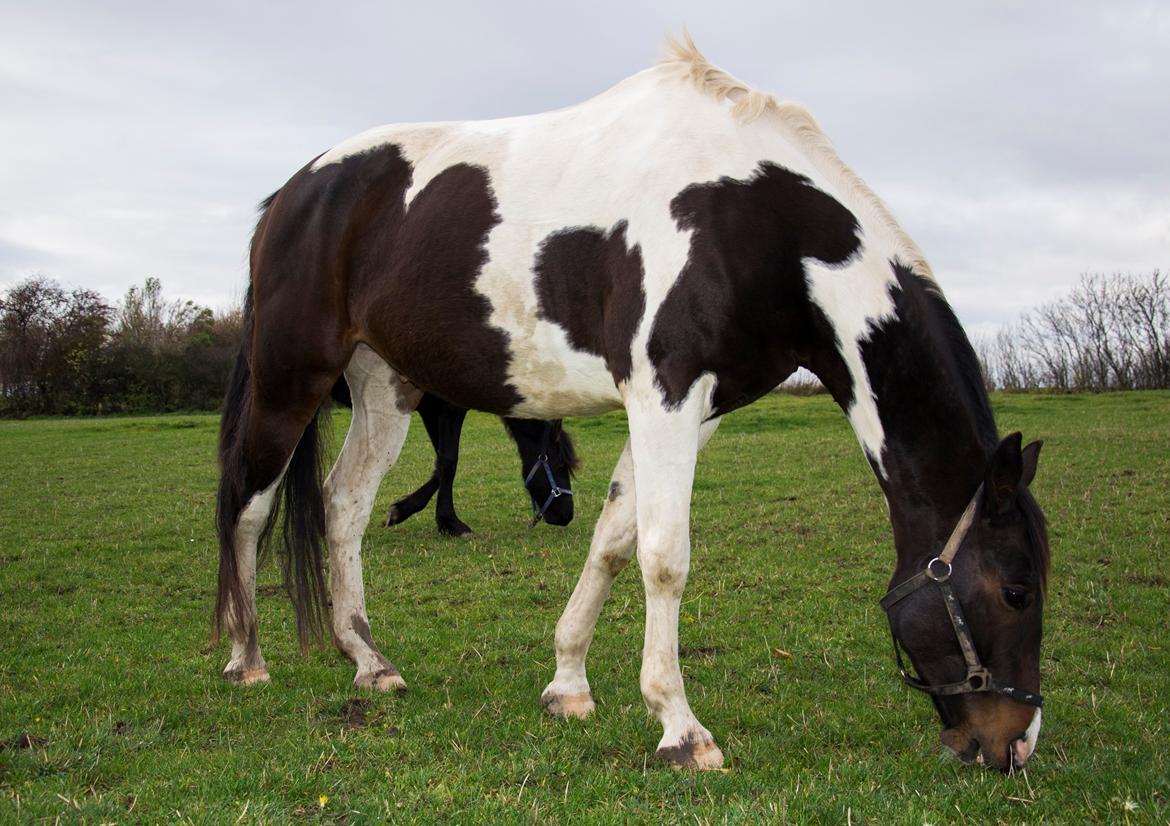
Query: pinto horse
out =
(547, 462)
(676, 247)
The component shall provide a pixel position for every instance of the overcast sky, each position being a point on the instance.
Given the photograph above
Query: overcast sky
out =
(1020, 143)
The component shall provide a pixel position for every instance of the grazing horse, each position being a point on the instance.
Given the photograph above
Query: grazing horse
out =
(676, 247)
(547, 462)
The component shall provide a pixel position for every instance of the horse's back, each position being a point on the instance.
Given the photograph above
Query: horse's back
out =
(516, 265)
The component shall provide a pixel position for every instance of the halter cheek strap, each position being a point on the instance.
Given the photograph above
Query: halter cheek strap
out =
(938, 571)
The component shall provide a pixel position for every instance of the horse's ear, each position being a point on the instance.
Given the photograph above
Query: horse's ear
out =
(1030, 456)
(1004, 474)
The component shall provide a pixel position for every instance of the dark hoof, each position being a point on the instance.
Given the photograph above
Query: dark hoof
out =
(453, 527)
(393, 517)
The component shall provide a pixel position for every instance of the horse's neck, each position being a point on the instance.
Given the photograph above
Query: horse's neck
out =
(936, 430)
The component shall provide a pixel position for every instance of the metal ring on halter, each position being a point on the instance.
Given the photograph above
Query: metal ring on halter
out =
(939, 577)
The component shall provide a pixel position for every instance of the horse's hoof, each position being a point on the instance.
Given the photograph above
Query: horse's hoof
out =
(388, 679)
(579, 705)
(454, 529)
(246, 676)
(692, 752)
(393, 517)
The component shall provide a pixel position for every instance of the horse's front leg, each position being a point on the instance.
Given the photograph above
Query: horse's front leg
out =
(569, 694)
(665, 444)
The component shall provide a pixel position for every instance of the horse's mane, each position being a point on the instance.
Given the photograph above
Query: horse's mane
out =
(934, 319)
(749, 104)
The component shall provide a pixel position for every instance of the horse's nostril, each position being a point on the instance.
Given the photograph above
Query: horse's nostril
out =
(1019, 752)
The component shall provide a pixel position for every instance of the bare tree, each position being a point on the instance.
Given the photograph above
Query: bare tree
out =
(1108, 333)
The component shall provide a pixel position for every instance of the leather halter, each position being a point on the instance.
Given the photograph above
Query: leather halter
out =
(555, 491)
(938, 571)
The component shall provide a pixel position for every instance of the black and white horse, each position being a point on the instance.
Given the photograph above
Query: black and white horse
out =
(547, 462)
(675, 247)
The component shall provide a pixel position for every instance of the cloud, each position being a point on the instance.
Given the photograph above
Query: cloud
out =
(1020, 144)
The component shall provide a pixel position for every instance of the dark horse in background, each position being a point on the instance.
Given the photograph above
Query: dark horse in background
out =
(674, 247)
(547, 462)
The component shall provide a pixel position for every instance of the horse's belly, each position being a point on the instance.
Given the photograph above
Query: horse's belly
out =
(556, 381)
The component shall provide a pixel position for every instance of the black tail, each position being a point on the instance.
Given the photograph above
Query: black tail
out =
(302, 556)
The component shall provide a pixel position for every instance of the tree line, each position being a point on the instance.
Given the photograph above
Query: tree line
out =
(69, 352)
(1108, 333)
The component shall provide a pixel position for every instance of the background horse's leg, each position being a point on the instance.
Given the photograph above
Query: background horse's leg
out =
(444, 423)
(569, 695)
(381, 416)
(664, 445)
(412, 503)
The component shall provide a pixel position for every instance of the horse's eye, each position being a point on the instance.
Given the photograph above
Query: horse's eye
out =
(1016, 598)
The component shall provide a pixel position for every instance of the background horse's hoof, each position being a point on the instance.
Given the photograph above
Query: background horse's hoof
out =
(393, 517)
(579, 705)
(692, 752)
(453, 527)
(246, 676)
(388, 679)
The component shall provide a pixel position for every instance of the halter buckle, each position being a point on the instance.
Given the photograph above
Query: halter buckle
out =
(978, 679)
(941, 574)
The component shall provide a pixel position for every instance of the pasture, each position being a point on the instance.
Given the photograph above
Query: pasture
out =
(112, 707)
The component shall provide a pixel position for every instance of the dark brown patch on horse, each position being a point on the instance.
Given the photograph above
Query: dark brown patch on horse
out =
(615, 563)
(615, 490)
(684, 753)
(362, 628)
(411, 271)
(740, 307)
(589, 282)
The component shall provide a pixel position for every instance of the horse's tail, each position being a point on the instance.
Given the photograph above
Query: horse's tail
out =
(302, 549)
(302, 555)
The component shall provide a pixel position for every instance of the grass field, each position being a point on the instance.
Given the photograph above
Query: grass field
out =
(112, 707)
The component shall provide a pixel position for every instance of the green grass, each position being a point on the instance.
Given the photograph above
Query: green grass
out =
(107, 560)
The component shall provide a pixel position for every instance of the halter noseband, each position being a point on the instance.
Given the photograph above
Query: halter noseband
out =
(938, 571)
(555, 490)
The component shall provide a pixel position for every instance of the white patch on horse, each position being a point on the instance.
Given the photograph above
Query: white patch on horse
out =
(856, 298)
(247, 665)
(1022, 749)
(376, 434)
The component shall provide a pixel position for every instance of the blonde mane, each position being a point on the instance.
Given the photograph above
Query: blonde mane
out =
(749, 104)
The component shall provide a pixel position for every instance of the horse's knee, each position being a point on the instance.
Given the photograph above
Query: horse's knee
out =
(664, 570)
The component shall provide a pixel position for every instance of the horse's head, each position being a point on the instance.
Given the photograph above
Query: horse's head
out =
(547, 462)
(971, 623)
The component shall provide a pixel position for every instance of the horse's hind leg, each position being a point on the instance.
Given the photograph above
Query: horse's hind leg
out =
(261, 443)
(569, 694)
(247, 665)
(381, 416)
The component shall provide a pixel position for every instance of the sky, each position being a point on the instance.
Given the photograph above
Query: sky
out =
(1020, 144)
